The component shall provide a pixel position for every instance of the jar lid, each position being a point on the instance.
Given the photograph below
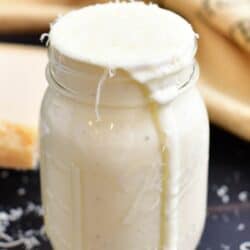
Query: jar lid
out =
(125, 35)
(146, 41)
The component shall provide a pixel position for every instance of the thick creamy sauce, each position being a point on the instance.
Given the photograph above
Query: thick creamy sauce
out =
(158, 59)
(164, 178)
(127, 197)
(153, 109)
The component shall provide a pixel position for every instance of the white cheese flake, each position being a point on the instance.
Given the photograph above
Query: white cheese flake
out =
(21, 191)
(27, 238)
(222, 191)
(245, 245)
(243, 196)
(241, 227)
(225, 247)
(225, 199)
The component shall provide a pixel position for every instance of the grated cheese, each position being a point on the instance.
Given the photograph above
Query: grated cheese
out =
(245, 245)
(243, 196)
(28, 238)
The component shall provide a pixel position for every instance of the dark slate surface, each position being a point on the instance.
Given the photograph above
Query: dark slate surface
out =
(228, 223)
(229, 166)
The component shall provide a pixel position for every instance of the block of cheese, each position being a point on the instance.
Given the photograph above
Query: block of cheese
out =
(22, 85)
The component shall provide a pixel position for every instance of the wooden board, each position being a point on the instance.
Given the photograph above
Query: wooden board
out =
(22, 86)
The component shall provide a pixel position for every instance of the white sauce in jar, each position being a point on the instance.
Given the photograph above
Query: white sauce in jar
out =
(162, 205)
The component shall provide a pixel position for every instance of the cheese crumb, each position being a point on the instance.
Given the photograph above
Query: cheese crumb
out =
(15, 214)
(243, 196)
(21, 191)
(245, 245)
(222, 191)
(225, 247)
(33, 208)
(241, 227)
(225, 199)
(28, 238)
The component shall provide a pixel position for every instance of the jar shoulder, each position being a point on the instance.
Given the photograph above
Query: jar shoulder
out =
(69, 116)
(124, 135)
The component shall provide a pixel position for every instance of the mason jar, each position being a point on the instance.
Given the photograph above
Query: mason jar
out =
(119, 170)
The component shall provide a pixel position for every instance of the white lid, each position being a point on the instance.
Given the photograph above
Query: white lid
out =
(125, 35)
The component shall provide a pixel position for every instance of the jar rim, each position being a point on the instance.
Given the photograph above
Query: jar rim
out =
(182, 87)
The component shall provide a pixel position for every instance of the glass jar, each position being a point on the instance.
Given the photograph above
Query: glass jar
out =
(121, 172)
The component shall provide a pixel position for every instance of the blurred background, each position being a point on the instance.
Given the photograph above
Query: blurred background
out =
(224, 58)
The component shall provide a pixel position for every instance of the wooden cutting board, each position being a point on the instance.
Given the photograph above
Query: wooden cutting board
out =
(22, 85)
(224, 81)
